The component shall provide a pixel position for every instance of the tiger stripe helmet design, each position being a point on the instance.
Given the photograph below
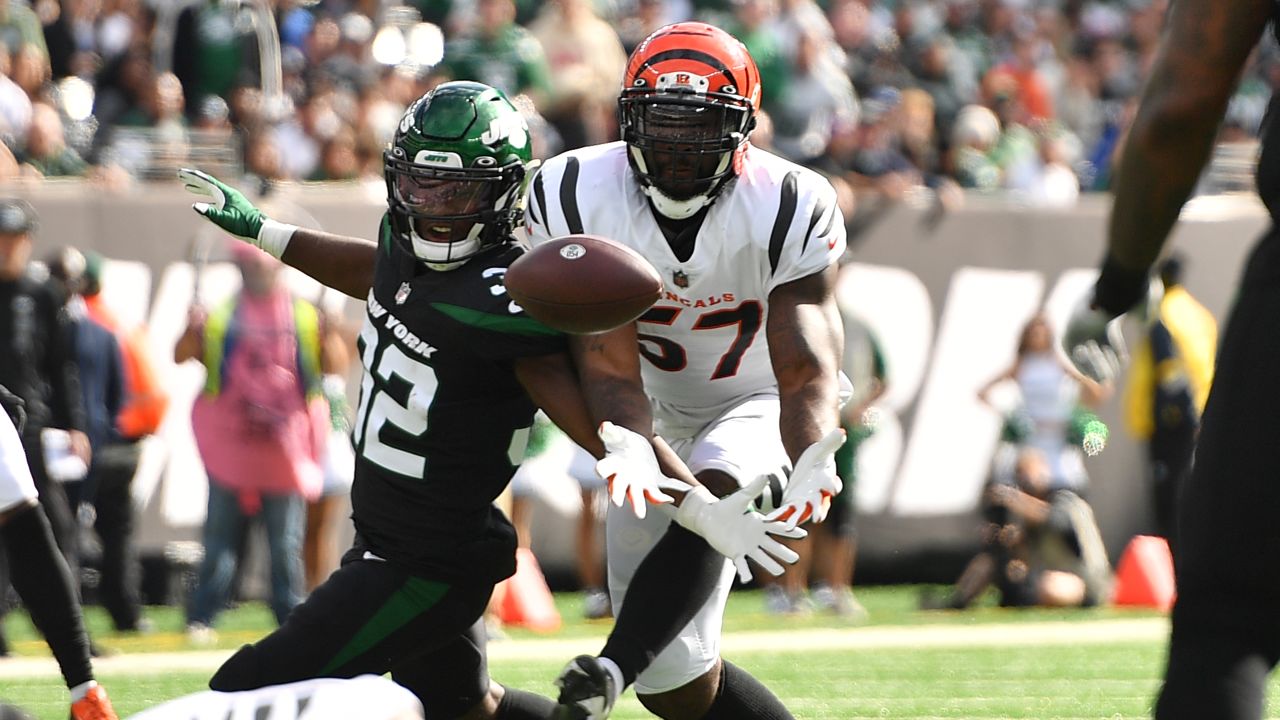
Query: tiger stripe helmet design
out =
(688, 103)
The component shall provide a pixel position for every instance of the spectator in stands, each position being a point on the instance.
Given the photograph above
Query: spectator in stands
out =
(648, 16)
(212, 53)
(112, 471)
(498, 52)
(29, 69)
(15, 106)
(20, 28)
(339, 160)
(753, 24)
(1168, 385)
(973, 138)
(815, 97)
(46, 153)
(260, 424)
(1023, 67)
(879, 166)
(37, 364)
(585, 59)
(1078, 102)
(800, 21)
(936, 74)
(1051, 182)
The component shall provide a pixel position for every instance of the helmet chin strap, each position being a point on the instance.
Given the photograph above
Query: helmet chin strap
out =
(436, 255)
(673, 208)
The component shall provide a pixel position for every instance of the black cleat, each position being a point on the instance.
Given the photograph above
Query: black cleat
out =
(587, 691)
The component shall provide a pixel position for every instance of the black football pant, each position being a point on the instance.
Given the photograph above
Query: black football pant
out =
(119, 591)
(373, 616)
(54, 503)
(1226, 622)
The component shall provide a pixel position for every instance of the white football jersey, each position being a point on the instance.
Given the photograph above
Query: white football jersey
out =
(703, 342)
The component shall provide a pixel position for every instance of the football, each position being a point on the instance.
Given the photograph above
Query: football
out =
(583, 284)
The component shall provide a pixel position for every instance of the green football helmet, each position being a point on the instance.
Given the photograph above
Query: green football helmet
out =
(455, 173)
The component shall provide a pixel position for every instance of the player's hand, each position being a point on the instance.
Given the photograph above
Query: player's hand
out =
(1094, 343)
(733, 529)
(228, 208)
(631, 469)
(813, 483)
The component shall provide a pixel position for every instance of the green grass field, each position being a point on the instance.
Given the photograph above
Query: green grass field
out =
(917, 679)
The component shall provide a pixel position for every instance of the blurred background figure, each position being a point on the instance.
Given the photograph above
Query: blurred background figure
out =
(37, 363)
(585, 57)
(498, 52)
(324, 513)
(1050, 391)
(143, 408)
(100, 367)
(835, 542)
(1167, 387)
(1041, 547)
(261, 424)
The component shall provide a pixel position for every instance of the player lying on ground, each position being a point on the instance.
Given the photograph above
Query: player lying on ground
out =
(453, 372)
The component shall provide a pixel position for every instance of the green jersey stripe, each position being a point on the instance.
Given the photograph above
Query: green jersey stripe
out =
(496, 323)
(414, 598)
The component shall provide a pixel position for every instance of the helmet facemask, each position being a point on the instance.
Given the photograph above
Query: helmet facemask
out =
(449, 215)
(682, 146)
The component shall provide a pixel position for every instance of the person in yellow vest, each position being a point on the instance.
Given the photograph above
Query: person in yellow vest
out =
(261, 424)
(1168, 386)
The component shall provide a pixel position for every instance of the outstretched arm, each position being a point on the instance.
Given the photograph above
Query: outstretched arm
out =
(1205, 47)
(608, 365)
(343, 263)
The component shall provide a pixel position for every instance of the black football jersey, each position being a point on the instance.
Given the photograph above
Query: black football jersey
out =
(442, 421)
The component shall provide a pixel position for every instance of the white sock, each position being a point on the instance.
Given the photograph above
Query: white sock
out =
(614, 671)
(78, 692)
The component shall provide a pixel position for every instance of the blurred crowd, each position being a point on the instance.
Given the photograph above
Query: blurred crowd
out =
(885, 96)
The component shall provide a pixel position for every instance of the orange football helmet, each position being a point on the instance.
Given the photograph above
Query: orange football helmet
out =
(688, 103)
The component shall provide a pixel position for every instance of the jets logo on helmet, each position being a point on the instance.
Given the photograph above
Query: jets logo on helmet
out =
(688, 103)
(455, 173)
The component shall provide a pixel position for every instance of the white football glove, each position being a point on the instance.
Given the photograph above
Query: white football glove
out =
(630, 468)
(733, 529)
(813, 483)
(1094, 343)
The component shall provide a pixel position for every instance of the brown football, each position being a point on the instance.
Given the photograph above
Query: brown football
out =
(583, 284)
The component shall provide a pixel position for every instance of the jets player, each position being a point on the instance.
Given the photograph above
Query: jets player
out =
(453, 371)
(739, 358)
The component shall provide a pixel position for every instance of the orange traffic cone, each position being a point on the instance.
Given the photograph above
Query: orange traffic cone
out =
(1144, 577)
(524, 598)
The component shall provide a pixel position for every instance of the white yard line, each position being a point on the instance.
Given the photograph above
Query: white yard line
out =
(869, 638)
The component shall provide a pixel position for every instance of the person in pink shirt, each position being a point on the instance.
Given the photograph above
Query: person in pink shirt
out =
(260, 424)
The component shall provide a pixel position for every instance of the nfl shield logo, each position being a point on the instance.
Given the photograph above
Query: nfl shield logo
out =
(403, 293)
(680, 279)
